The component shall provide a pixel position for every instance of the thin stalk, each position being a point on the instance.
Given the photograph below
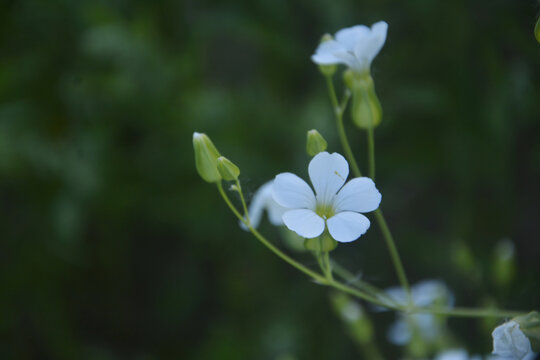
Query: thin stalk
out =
(267, 243)
(371, 152)
(338, 112)
(469, 312)
(400, 271)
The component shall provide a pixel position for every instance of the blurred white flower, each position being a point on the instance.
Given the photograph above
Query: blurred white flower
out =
(263, 200)
(509, 342)
(355, 47)
(334, 205)
(455, 354)
(425, 293)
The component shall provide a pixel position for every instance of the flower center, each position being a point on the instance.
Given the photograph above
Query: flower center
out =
(326, 211)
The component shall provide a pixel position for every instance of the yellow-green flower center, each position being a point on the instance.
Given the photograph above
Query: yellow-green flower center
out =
(326, 211)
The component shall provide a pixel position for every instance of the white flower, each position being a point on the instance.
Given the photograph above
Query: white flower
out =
(333, 205)
(355, 47)
(425, 293)
(510, 342)
(263, 200)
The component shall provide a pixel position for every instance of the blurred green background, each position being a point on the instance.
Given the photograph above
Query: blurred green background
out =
(112, 247)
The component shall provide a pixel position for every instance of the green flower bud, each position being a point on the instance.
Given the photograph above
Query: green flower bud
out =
(504, 264)
(206, 156)
(537, 30)
(323, 243)
(353, 315)
(315, 143)
(530, 325)
(366, 109)
(327, 70)
(227, 169)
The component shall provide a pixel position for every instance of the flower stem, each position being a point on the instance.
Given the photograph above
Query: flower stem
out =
(338, 112)
(400, 271)
(265, 242)
(469, 312)
(328, 280)
(371, 152)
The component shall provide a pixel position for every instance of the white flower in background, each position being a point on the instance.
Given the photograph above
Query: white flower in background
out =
(334, 205)
(425, 293)
(509, 342)
(456, 354)
(263, 200)
(355, 47)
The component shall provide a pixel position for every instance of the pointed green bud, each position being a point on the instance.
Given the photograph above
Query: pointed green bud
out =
(366, 109)
(327, 70)
(530, 325)
(315, 143)
(227, 169)
(537, 30)
(504, 263)
(206, 156)
(353, 315)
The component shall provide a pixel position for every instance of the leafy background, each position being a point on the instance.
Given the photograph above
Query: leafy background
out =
(113, 248)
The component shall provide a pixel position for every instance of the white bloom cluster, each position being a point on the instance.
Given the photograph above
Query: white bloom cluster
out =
(425, 293)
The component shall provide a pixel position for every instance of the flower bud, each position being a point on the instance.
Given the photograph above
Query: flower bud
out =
(504, 264)
(352, 314)
(206, 156)
(327, 70)
(315, 143)
(227, 169)
(366, 109)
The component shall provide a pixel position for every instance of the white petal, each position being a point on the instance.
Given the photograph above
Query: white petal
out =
(328, 173)
(359, 194)
(349, 37)
(324, 55)
(292, 192)
(257, 205)
(275, 212)
(369, 46)
(347, 226)
(510, 342)
(304, 222)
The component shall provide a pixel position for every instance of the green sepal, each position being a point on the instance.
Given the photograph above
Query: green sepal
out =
(366, 109)
(227, 169)
(323, 243)
(530, 325)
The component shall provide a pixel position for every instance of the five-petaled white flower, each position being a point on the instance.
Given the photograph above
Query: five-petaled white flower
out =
(333, 205)
(510, 342)
(355, 47)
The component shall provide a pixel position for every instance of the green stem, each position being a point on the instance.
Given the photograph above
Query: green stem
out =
(338, 111)
(469, 312)
(267, 243)
(400, 271)
(329, 281)
(371, 152)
